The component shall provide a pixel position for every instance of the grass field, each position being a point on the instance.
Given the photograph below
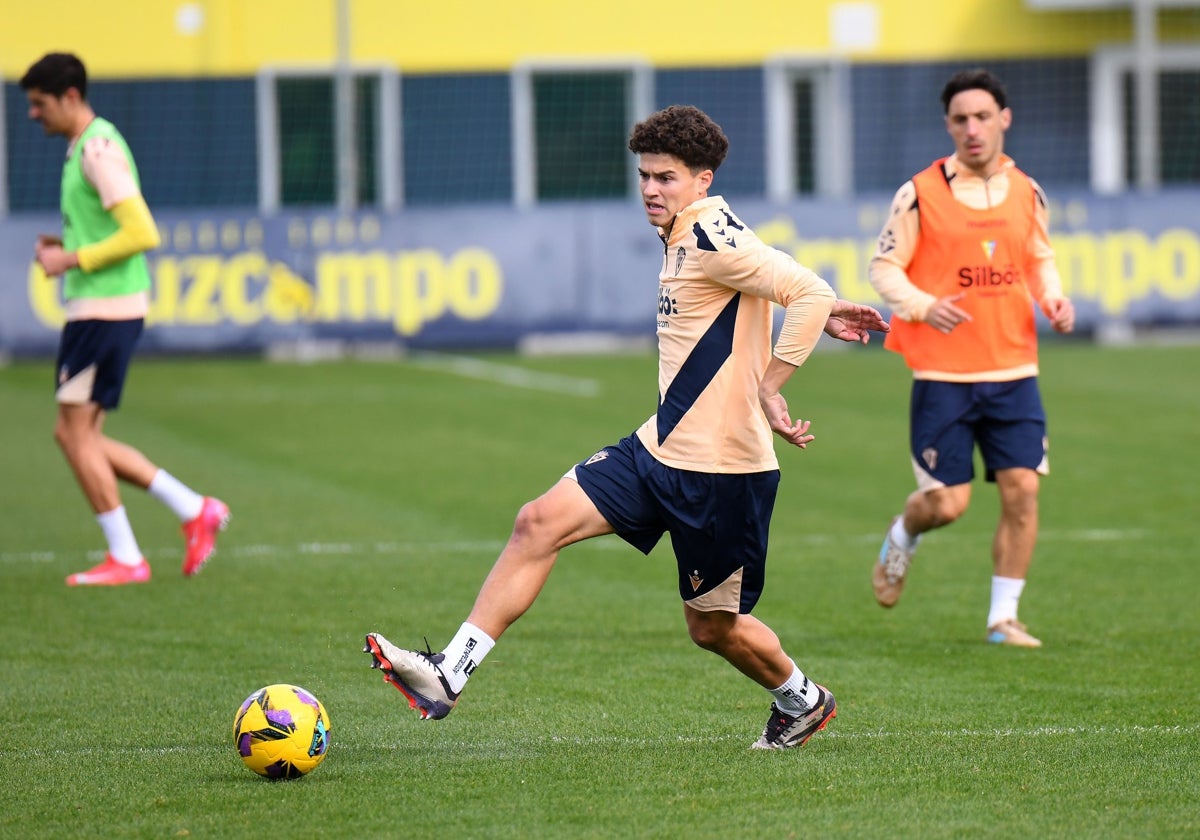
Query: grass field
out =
(375, 496)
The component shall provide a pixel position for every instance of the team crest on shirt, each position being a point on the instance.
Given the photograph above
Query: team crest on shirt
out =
(679, 257)
(930, 456)
(696, 580)
(599, 456)
(887, 241)
(989, 248)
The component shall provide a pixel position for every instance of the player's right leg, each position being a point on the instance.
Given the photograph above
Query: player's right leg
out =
(432, 681)
(929, 509)
(78, 433)
(895, 556)
(561, 516)
(417, 674)
(942, 446)
(92, 364)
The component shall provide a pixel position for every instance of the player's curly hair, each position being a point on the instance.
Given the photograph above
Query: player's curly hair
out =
(976, 79)
(682, 131)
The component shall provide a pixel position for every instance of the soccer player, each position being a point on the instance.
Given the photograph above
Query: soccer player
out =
(962, 260)
(703, 468)
(106, 230)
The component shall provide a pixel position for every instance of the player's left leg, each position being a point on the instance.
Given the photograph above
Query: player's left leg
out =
(201, 517)
(800, 707)
(743, 641)
(129, 465)
(1012, 441)
(719, 526)
(1012, 554)
(1016, 533)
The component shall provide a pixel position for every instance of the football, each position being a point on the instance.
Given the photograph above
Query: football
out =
(281, 731)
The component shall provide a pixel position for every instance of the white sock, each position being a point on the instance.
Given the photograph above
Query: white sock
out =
(122, 544)
(183, 501)
(464, 653)
(901, 537)
(1006, 592)
(798, 695)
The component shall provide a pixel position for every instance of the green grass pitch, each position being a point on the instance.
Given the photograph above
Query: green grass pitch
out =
(375, 496)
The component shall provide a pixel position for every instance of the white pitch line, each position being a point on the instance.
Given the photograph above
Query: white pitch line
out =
(517, 377)
(1136, 730)
(1084, 535)
(877, 734)
(949, 734)
(330, 549)
(1096, 535)
(391, 549)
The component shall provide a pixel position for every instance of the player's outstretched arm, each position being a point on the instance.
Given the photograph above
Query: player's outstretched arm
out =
(849, 321)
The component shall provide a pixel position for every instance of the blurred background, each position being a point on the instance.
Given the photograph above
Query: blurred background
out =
(327, 173)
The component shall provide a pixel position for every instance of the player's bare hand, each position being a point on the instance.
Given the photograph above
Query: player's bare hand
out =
(945, 314)
(849, 321)
(794, 432)
(1061, 313)
(52, 258)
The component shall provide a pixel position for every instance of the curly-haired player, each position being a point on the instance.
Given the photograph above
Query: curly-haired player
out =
(703, 468)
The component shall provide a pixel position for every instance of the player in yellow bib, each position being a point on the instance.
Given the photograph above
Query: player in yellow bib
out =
(107, 228)
(962, 261)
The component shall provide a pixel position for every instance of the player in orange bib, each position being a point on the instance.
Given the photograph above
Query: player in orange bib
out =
(962, 262)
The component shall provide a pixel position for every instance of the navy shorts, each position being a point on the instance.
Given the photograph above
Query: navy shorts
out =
(718, 522)
(93, 359)
(948, 419)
